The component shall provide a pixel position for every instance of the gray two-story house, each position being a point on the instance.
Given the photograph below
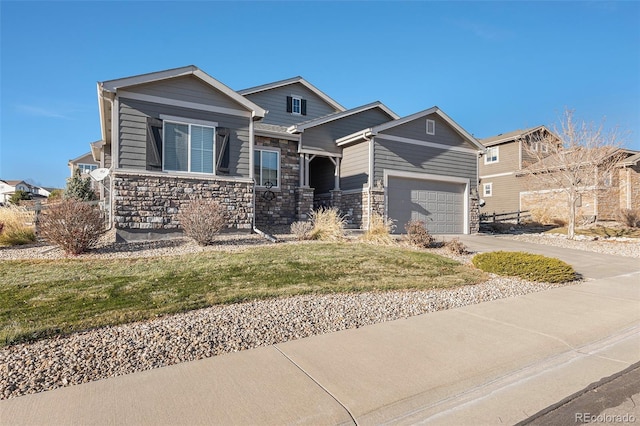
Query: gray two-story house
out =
(269, 154)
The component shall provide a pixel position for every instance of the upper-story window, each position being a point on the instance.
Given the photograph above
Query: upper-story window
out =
(431, 127)
(487, 189)
(188, 147)
(86, 168)
(491, 156)
(296, 105)
(539, 146)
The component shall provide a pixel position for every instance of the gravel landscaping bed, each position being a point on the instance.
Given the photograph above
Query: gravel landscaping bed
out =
(627, 247)
(117, 350)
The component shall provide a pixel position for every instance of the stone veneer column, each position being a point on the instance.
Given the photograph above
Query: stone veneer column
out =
(336, 198)
(304, 202)
(474, 215)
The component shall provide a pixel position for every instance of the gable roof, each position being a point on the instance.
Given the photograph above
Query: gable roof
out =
(366, 133)
(301, 127)
(513, 135)
(80, 157)
(576, 158)
(293, 80)
(631, 160)
(120, 83)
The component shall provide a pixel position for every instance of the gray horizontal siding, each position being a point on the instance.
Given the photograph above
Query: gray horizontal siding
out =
(354, 167)
(407, 157)
(133, 136)
(188, 89)
(275, 101)
(417, 129)
(323, 137)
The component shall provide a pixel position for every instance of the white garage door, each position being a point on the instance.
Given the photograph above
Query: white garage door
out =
(440, 205)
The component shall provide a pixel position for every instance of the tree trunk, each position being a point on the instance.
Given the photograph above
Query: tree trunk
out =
(571, 229)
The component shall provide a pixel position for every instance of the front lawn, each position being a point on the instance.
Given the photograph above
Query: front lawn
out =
(45, 298)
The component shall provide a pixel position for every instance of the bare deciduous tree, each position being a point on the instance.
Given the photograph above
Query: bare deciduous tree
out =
(575, 161)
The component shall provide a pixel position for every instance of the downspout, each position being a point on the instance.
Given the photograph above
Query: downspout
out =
(369, 195)
(113, 157)
(253, 180)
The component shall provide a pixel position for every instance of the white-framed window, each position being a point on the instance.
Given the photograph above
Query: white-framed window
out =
(487, 189)
(491, 156)
(86, 168)
(607, 179)
(431, 127)
(188, 146)
(267, 167)
(296, 105)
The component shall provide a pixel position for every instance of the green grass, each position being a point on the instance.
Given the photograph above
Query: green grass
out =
(45, 298)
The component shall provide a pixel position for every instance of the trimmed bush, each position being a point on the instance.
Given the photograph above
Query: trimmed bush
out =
(202, 220)
(13, 226)
(72, 225)
(328, 224)
(418, 235)
(532, 267)
(456, 246)
(380, 230)
(630, 218)
(302, 230)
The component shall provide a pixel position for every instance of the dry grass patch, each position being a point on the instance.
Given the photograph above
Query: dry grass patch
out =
(16, 226)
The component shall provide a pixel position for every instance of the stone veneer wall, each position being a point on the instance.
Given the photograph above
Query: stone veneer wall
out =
(609, 200)
(281, 210)
(547, 206)
(152, 202)
(474, 215)
(354, 205)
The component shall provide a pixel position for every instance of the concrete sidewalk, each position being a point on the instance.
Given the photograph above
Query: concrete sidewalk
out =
(492, 363)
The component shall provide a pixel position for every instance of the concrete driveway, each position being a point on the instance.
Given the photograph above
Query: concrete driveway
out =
(492, 363)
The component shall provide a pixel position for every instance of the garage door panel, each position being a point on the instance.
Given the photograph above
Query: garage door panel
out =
(440, 205)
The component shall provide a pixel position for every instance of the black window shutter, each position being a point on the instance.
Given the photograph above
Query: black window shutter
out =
(222, 150)
(154, 144)
(303, 106)
(289, 104)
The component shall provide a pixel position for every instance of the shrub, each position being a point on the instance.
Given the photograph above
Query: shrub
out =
(630, 217)
(79, 188)
(55, 195)
(202, 220)
(456, 246)
(418, 235)
(72, 225)
(532, 267)
(328, 224)
(380, 230)
(13, 226)
(301, 230)
(18, 196)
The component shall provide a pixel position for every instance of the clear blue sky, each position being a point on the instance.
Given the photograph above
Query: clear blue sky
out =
(492, 66)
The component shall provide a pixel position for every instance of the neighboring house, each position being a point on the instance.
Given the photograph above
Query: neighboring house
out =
(603, 195)
(85, 163)
(270, 153)
(498, 168)
(9, 187)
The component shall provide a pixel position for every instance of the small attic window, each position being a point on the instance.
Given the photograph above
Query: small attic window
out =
(296, 105)
(431, 127)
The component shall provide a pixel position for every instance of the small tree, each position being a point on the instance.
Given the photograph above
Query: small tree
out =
(79, 188)
(574, 161)
(18, 196)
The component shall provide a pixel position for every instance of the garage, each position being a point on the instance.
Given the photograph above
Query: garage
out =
(439, 204)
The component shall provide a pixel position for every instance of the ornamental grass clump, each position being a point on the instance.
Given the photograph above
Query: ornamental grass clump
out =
(14, 228)
(302, 230)
(328, 224)
(72, 225)
(456, 246)
(202, 220)
(418, 235)
(380, 229)
(531, 267)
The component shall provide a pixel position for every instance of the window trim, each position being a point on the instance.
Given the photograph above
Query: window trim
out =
(431, 123)
(270, 149)
(486, 155)
(82, 166)
(295, 98)
(484, 189)
(188, 122)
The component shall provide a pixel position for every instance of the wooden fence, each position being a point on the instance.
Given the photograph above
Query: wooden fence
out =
(494, 217)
